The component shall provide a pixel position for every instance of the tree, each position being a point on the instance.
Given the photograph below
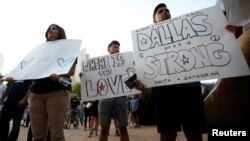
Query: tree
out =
(76, 89)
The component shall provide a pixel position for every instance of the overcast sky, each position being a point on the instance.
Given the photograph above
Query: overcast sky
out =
(96, 22)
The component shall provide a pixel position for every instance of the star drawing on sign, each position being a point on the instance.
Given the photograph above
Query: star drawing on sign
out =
(143, 41)
(185, 60)
(101, 88)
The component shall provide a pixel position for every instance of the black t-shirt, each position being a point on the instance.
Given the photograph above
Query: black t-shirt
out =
(74, 103)
(46, 85)
(17, 90)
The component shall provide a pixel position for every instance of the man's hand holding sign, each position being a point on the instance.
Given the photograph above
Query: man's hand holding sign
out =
(105, 76)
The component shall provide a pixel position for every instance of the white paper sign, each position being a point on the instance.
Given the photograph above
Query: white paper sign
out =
(104, 76)
(47, 58)
(192, 47)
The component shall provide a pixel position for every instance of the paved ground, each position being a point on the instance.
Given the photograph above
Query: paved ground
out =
(144, 133)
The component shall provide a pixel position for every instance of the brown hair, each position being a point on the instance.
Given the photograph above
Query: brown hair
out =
(61, 34)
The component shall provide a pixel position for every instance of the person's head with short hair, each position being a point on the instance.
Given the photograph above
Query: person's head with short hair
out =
(114, 47)
(161, 13)
(55, 32)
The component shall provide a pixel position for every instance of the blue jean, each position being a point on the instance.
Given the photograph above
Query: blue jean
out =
(80, 115)
(11, 111)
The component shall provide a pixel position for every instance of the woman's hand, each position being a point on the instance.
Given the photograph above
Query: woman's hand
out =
(54, 77)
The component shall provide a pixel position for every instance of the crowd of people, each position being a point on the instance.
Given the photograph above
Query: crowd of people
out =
(47, 107)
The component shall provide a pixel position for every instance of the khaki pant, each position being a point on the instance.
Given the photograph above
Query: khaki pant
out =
(48, 110)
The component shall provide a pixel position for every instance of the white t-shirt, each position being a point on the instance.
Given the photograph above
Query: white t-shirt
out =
(237, 11)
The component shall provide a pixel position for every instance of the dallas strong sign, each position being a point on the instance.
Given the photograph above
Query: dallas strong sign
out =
(192, 47)
(104, 76)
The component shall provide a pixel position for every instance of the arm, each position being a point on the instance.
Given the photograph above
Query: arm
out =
(6, 91)
(71, 72)
(5, 94)
(24, 99)
(236, 30)
(140, 86)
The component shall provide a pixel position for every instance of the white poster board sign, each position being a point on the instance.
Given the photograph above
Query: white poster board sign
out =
(104, 76)
(47, 58)
(192, 47)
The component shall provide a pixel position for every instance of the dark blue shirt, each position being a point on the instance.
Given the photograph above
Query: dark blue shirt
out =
(17, 90)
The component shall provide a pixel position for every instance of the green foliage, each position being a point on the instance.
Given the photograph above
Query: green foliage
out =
(76, 89)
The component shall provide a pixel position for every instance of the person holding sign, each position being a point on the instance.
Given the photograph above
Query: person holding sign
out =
(16, 95)
(117, 106)
(49, 98)
(228, 103)
(177, 107)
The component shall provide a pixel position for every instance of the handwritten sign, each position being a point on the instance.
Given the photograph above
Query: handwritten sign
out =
(47, 58)
(104, 77)
(192, 47)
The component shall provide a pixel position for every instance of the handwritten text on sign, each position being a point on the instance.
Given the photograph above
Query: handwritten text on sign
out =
(47, 58)
(104, 77)
(192, 47)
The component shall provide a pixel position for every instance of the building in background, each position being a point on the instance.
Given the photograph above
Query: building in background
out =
(82, 55)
